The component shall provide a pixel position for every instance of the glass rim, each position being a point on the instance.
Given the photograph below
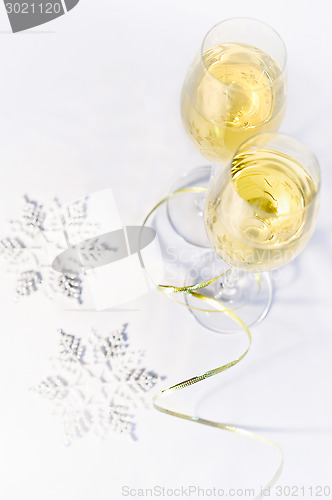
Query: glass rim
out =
(250, 19)
(306, 148)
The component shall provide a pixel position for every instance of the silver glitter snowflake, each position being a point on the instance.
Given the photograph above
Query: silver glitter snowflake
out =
(97, 386)
(25, 252)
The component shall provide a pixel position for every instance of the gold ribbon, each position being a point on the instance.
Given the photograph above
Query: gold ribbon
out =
(219, 308)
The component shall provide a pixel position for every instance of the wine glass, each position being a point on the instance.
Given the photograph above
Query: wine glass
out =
(235, 88)
(260, 212)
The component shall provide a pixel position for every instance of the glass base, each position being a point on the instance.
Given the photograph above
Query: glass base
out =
(185, 211)
(250, 298)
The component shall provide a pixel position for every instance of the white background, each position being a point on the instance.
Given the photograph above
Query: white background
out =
(90, 101)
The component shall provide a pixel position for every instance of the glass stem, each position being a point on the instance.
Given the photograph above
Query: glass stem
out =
(228, 285)
(201, 197)
(230, 278)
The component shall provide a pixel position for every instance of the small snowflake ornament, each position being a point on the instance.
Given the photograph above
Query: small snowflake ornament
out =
(97, 385)
(25, 251)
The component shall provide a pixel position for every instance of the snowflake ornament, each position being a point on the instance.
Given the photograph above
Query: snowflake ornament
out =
(25, 251)
(97, 386)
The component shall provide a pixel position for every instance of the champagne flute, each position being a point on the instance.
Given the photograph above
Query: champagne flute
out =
(235, 88)
(260, 212)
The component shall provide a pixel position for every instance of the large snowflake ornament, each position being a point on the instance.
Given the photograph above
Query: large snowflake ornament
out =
(25, 250)
(96, 386)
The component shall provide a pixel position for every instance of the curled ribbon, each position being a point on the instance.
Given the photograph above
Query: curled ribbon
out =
(169, 290)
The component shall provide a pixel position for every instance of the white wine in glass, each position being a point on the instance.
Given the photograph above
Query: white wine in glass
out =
(262, 215)
(238, 91)
(260, 212)
(235, 88)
